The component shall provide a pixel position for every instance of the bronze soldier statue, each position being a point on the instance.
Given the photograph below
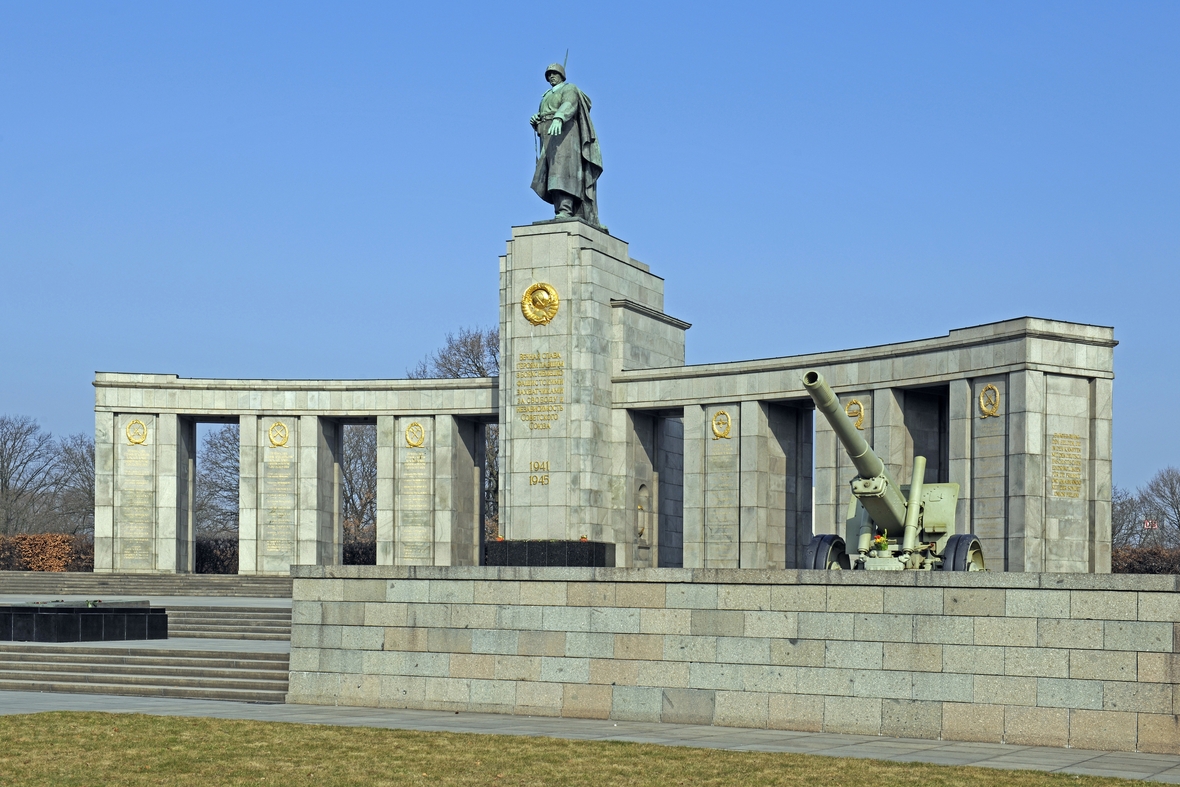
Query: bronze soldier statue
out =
(570, 160)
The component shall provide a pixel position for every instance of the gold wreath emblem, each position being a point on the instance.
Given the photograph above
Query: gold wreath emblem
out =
(137, 432)
(721, 424)
(858, 413)
(539, 304)
(989, 402)
(278, 434)
(415, 435)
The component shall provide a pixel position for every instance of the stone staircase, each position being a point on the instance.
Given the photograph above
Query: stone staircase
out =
(145, 672)
(256, 623)
(47, 583)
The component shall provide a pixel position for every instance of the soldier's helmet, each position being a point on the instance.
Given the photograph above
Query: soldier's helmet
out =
(558, 67)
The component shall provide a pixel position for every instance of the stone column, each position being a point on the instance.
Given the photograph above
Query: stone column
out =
(756, 512)
(186, 469)
(722, 482)
(959, 447)
(414, 500)
(1100, 489)
(889, 432)
(670, 472)
(456, 493)
(104, 492)
(694, 486)
(136, 506)
(1025, 410)
(1069, 529)
(386, 461)
(793, 426)
(249, 463)
(280, 487)
(990, 471)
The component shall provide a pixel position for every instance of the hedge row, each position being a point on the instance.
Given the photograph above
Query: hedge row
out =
(46, 552)
(1145, 560)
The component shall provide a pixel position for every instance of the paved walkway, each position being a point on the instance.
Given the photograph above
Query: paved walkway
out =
(1127, 765)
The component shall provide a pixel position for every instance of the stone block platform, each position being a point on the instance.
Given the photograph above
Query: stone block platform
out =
(1076, 660)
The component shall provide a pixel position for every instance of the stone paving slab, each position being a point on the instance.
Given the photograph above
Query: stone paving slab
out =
(1128, 765)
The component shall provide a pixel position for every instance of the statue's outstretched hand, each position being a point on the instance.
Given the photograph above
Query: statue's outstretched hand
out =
(555, 127)
(534, 120)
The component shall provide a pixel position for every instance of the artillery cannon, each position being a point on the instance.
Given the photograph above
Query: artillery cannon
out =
(922, 514)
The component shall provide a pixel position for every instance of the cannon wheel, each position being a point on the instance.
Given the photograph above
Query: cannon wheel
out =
(826, 552)
(963, 553)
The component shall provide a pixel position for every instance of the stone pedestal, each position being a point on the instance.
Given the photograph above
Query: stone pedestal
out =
(591, 311)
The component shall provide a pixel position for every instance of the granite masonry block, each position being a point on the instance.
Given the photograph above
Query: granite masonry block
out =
(486, 591)
(406, 590)
(362, 638)
(743, 650)
(496, 641)
(428, 615)
(1150, 637)
(911, 718)
(933, 630)
(744, 597)
(340, 613)
(673, 674)
(1037, 603)
(798, 598)
(640, 594)
(824, 680)
(717, 623)
(586, 701)
(1103, 605)
(1012, 632)
(559, 669)
(803, 712)
(541, 594)
(852, 715)
(825, 625)
(524, 668)
(665, 621)
(493, 696)
(852, 654)
(1005, 690)
(1159, 606)
(715, 676)
(519, 618)
(797, 652)
(1066, 693)
(772, 679)
(539, 699)
(911, 657)
(883, 628)
(972, 722)
(443, 591)
(1158, 733)
(473, 616)
(384, 614)
(1102, 730)
(590, 594)
(565, 618)
(449, 641)
(688, 706)
(694, 597)
(584, 644)
(541, 643)
(614, 620)
(976, 602)
(1137, 697)
(771, 624)
(1103, 665)
(914, 601)
(945, 687)
(473, 665)
(741, 709)
(1055, 633)
(427, 665)
(365, 590)
(1037, 662)
(648, 647)
(856, 599)
(309, 613)
(1029, 726)
(677, 648)
(614, 672)
(973, 659)
(636, 703)
(1159, 668)
(448, 693)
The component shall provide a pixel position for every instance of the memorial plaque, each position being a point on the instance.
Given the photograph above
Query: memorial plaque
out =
(415, 491)
(279, 487)
(1067, 465)
(722, 486)
(135, 492)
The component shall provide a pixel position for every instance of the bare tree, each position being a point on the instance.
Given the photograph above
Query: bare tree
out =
(358, 472)
(28, 470)
(218, 476)
(473, 352)
(1160, 500)
(1126, 518)
(75, 485)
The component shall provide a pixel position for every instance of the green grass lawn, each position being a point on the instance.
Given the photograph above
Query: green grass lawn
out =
(125, 749)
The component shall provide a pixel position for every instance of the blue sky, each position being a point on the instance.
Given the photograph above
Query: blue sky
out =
(299, 190)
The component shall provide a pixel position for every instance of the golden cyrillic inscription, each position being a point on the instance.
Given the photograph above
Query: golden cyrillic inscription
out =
(540, 388)
(1067, 468)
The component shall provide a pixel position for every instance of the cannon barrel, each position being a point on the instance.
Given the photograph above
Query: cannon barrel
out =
(883, 499)
(867, 463)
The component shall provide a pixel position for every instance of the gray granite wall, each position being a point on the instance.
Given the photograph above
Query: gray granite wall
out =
(1029, 659)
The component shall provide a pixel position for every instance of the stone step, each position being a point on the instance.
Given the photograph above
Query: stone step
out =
(88, 583)
(245, 636)
(250, 661)
(136, 653)
(28, 669)
(174, 692)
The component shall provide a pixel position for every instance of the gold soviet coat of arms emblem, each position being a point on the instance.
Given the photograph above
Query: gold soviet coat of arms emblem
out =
(539, 304)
